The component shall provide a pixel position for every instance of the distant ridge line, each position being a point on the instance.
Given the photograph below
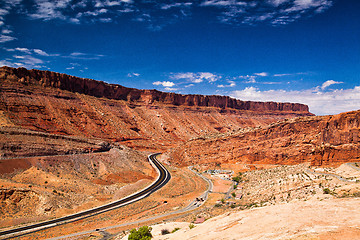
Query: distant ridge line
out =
(114, 91)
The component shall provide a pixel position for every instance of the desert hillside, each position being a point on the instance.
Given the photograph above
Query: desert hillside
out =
(319, 140)
(146, 119)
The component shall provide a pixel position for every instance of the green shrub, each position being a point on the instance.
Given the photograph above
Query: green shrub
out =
(175, 229)
(143, 233)
(191, 226)
(326, 191)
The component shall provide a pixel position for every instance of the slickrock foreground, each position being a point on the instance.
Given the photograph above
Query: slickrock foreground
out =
(313, 219)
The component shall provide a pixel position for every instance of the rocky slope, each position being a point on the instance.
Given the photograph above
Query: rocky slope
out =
(111, 91)
(324, 140)
(146, 119)
(18, 142)
(38, 188)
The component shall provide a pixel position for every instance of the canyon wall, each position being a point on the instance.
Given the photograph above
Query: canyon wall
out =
(144, 119)
(118, 92)
(318, 140)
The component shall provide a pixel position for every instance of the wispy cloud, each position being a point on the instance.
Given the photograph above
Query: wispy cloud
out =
(197, 77)
(157, 14)
(164, 84)
(329, 83)
(6, 38)
(83, 56)
(36, 58)
(321, 102)
(274, 12)
(262, 74)
(230, 84)
(133, 74)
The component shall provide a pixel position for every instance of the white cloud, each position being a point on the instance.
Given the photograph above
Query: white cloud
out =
(275, 12)
(47, 10)
(84, 56)
(248, 78)
(277, 3)
(27, 61)
(262, 74)
(196, 77)
(176, 5)
(282, 74)
(170, 89)
(319, 102)
(157, 14)
(222, 3)
(133, 75)
(6, 38)
(40, 52)
(24, 50)
(164, 83)
(231, 84)
(329, 83)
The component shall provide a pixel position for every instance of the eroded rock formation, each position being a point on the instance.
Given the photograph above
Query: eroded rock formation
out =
(147, 119)
(118, 92)
(319, 140)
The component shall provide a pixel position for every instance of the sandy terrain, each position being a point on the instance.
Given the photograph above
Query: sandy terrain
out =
(282, 202)
(312, 219)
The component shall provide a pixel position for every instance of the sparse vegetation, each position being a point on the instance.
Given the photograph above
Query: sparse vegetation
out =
(143, 233)
(164, 231)
(237, 178)
(191, 226)
(326, 191)
(175, 229)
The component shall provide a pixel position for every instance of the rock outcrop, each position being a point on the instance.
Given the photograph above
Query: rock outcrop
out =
(118, 92)
(145, 119)
(319, 140)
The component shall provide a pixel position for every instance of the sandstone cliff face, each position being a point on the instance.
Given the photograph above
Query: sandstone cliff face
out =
(111, 91)
(326, 140)
(145, 119)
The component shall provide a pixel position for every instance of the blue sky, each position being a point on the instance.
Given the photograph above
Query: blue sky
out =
(305, 51)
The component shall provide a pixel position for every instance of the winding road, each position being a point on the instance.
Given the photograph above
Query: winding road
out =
(163, 177)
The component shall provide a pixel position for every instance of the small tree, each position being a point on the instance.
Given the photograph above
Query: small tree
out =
(144, 233)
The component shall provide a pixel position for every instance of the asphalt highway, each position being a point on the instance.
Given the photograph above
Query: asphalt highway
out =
(163, 178)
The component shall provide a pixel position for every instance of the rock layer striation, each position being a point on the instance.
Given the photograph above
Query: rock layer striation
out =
(146, 119)
(319, 140)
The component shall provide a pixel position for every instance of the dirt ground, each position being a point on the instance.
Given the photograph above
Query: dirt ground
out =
(183, 187)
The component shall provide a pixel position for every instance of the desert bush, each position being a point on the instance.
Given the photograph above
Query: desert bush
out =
(143, 233)
(326, 191)
(175, 229)
(164, 232)
(191, 226)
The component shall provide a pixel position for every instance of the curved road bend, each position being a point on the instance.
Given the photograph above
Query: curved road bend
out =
(192, 206)
(163, 178)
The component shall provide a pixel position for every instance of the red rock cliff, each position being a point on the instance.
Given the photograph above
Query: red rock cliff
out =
(118, 92)
(325, 140)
